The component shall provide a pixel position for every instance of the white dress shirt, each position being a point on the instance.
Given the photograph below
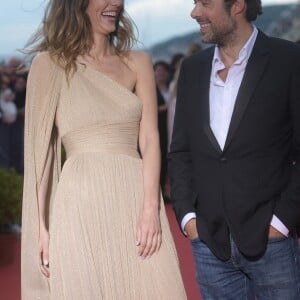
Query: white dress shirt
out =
(222, 98)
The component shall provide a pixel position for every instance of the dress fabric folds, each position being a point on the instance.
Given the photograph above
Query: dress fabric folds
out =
(95, 200)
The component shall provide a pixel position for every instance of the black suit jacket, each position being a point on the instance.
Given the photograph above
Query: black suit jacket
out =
(236, 191)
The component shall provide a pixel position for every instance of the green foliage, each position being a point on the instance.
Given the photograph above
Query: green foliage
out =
(11, 187)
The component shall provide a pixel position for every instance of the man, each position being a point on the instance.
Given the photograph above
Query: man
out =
(235, 154)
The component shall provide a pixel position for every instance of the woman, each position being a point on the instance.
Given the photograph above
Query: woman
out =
(90, 228)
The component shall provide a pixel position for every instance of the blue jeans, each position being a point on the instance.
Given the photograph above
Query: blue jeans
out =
(274, 276)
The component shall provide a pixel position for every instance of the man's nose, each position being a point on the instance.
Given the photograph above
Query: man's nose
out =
(196, 12)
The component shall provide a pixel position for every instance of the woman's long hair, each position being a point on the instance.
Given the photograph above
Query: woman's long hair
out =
(66, 33)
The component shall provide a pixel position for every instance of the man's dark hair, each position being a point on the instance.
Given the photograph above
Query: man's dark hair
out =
(254, 8)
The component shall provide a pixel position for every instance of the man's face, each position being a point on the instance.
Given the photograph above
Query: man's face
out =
(217, 24)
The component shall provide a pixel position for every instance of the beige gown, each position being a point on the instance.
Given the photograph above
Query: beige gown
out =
(98, 196)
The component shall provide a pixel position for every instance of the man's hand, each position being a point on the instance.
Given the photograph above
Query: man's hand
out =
(273, 233)
(191, 229)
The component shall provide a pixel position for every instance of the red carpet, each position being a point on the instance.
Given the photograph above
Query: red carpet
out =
(10, 263)
(185, 257)
(10, 267)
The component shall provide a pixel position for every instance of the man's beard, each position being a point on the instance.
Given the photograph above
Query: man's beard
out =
(220, 35)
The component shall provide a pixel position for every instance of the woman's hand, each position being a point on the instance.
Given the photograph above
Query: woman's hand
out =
(44, 252)
(148, 234)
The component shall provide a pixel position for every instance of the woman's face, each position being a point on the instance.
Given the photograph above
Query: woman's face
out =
(104, 15)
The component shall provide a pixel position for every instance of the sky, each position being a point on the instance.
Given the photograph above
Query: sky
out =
(156, 20)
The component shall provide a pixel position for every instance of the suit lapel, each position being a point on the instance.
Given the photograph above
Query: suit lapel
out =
(203, 92)
(254, 70)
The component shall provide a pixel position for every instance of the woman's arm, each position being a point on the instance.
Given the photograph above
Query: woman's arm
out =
(43, 190)
(42, 207)
(148, 227)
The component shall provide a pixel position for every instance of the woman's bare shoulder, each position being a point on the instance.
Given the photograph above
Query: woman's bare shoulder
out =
(139, 57)
(139, 61)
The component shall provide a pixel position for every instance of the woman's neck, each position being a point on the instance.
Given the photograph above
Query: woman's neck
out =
(101, 48)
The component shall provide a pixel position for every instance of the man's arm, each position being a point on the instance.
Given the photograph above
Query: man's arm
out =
(287, 209)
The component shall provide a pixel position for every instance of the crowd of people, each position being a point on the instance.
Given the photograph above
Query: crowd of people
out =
(12, 104)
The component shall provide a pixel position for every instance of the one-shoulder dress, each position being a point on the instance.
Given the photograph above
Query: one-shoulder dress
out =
(93, 252)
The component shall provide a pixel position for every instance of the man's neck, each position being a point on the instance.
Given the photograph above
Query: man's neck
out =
(230, 52)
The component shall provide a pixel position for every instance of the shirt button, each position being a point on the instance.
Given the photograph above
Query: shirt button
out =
(223, 160)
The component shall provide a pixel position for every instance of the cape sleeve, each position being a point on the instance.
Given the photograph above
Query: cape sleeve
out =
(43, 91)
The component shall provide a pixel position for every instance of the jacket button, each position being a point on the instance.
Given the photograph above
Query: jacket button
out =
(223, 159)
